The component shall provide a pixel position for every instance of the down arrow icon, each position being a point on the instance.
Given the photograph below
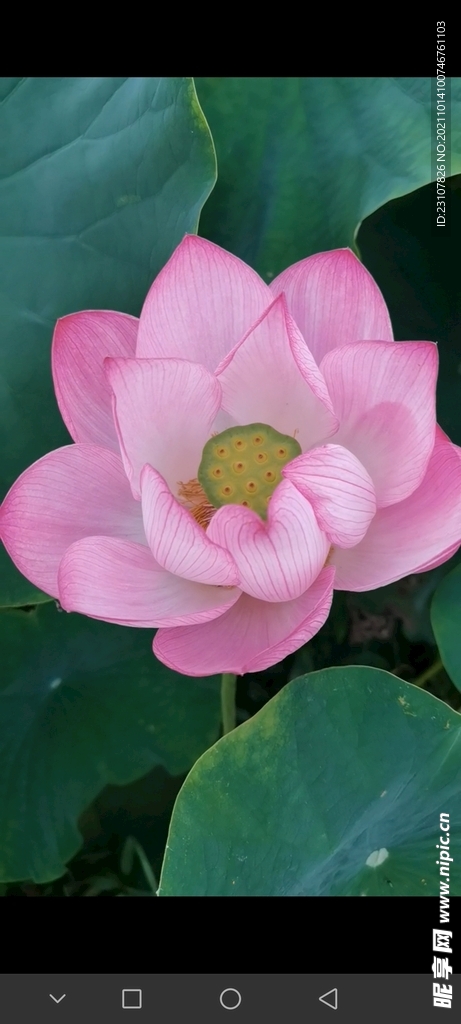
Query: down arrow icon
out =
(55, 1000)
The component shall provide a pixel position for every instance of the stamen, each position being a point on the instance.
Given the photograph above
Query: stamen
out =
(203, 514)
(193, 497)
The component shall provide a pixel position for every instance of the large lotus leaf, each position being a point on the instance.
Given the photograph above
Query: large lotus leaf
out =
(335, 788)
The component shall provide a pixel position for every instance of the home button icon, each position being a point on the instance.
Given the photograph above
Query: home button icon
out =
(230, 998)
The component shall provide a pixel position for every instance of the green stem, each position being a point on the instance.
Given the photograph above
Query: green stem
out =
(228, 688)
(429, 673)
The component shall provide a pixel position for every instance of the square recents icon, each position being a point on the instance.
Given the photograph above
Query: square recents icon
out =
(132, 998)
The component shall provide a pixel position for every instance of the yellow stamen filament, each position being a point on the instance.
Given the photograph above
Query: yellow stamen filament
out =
(192, 495)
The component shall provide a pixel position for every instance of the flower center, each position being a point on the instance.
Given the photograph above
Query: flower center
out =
(242, 465)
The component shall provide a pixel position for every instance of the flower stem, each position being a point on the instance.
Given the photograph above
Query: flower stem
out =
(228, 688)
(429, 673)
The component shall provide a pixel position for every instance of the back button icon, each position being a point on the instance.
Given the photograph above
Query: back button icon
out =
(330, 998)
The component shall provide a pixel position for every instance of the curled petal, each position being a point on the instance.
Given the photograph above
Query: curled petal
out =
(249, 637)
(339, 489)
(118, 581)
(277, 560)
(177, 541)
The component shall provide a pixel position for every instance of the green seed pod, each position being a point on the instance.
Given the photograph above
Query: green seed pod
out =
(242, 465)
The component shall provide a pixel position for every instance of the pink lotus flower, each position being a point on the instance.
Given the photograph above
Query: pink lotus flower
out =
(239, 451)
